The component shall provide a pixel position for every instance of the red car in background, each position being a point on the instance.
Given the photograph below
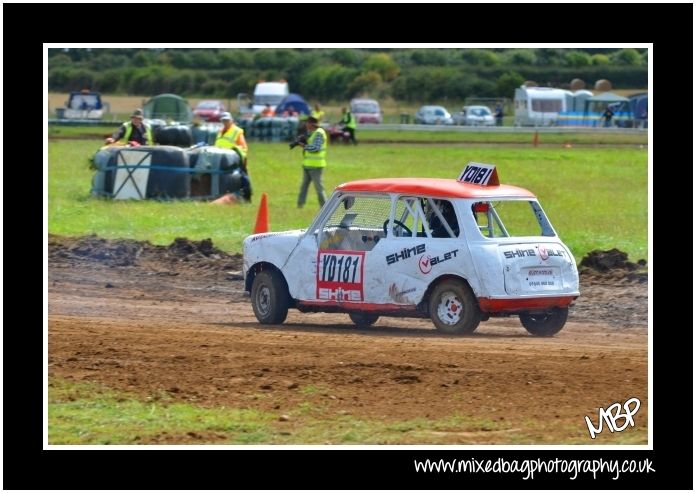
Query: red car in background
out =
(209, 110)
(366, 110)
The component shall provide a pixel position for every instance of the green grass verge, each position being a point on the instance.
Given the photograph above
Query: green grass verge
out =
(401, 136)
(500, 138)
(595, 198)
(92, 414)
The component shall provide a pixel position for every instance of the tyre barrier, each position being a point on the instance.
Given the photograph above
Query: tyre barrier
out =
(173, 135)
(142, 172)
(204, 133)
(169, 172)
(216, 172)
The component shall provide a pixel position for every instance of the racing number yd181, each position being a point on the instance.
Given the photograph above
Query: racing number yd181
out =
(341, 268)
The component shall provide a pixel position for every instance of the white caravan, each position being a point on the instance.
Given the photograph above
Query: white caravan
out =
(538, 106)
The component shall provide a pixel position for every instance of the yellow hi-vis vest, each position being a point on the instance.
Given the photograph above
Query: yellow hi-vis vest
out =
(349, 120)
(228, 140)
(129, 131)
(318, 115)
(316, 159)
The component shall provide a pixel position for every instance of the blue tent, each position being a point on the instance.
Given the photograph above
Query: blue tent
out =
(296, 101)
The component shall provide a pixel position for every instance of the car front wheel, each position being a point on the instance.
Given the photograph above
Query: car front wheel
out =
(269, 297)
(453, 308)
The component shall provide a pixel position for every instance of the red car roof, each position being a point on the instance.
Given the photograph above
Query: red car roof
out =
(434, 187)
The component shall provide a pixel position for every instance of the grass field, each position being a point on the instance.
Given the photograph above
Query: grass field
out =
(414, 136)
(92, 414)
(596, 198)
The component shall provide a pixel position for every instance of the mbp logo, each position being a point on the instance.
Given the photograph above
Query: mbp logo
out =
(613, 414)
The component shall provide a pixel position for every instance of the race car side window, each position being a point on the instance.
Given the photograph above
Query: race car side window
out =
(409, 217)
(488, 221)
(356, 223)
(511, 218)
(425, 217)
(442, 219)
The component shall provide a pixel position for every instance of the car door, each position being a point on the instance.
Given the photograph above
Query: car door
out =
(417, 248)
(329, 264)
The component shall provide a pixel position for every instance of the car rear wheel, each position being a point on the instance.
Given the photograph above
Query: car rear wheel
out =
(453, 308)
(269, 297)
(363, 320)
(545, 324)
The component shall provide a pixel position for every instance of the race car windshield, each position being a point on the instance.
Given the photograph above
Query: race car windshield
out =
(511, 218)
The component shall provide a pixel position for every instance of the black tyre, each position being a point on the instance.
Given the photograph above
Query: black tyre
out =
(174, 135)
(269, 297)
(545, 324)
(168, 184)
(453, 308)
(363, 320)
(161, 182)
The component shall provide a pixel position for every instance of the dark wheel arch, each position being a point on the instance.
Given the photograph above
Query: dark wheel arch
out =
(545, 324)
(363, 319)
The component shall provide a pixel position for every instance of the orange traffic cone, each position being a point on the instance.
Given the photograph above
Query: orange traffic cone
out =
(535, 140)
(262, 216)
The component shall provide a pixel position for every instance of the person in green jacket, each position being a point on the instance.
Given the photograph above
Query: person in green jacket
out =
(313, 161)
(133, 131)
(349, 124)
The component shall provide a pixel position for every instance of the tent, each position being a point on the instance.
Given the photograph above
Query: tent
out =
(168, 107)
(603, 100)
(296, 101)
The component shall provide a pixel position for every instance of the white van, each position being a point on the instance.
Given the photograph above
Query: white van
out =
(271, 93)
(538, 106)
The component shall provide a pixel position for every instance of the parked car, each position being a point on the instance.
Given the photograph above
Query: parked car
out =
(366, 110)
(83, 104)
(433, 115)
(209, 110)
(474, 115)
(457, 251)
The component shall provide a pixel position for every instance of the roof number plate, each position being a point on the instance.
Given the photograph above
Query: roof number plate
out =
(479, 174)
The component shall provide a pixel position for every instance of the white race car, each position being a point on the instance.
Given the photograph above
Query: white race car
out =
(457, 251)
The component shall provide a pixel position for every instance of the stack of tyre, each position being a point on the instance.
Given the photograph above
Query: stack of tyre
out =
(173, 135)
(167, 169)
(217, 171)
(168, 172)
(205, 133)
(272, 129)
(264, 128)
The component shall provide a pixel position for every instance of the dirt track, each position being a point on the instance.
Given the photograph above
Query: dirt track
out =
(174, 319)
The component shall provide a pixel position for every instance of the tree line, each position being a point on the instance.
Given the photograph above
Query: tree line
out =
(415, 74)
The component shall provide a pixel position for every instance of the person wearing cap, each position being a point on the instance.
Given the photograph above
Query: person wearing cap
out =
(313, 161)
(349, 124)
(136, 130)
(231, 136)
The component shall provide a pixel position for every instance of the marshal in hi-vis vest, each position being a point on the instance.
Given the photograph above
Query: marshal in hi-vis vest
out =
(316, 159)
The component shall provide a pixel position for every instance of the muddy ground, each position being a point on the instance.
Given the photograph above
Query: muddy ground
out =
(151, 319)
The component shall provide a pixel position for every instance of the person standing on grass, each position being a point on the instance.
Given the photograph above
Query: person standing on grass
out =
(499, 115)
(349, 124)
(317, 113)
(133, 131)
(231, 136)
(313, 161)
(607, 115)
